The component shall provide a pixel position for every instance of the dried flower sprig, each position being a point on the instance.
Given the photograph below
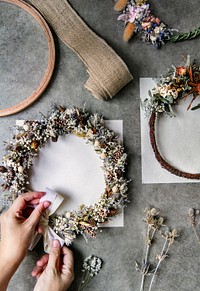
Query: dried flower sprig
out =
(193, 214)
(169, 237)
(178, 82)
(32, 135)
(138, 18)
(154, 223)
(91, 267)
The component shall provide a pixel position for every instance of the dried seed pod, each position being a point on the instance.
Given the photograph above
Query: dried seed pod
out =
(112, 212)
(119, 173)
(54, 138)
(108, 191)
(92, 222)
(120, 5)
(191, 214)
(18, 148)
(129, 31)
(3, 169)
(103, 145)
(197, 211)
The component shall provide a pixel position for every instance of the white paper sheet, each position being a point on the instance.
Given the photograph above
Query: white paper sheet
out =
(72, 168)
(178, 140)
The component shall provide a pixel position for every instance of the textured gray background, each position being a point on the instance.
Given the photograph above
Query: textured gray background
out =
(22, 64)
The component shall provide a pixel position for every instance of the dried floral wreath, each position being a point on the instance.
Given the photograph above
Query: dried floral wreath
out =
(33, 134)
(178, 82)
(137, 17)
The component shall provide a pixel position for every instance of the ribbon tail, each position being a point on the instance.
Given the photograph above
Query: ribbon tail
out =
(49, 236)
(35, 240)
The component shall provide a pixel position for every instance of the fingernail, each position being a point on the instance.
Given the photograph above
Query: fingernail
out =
(56, 243)
(47, 204)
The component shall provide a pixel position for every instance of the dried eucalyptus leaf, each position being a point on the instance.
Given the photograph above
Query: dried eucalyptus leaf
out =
(196, 107)
(137, 267)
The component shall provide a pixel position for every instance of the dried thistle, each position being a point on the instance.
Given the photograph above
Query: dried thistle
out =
(193, 213)
(169, 237)
(154, 223)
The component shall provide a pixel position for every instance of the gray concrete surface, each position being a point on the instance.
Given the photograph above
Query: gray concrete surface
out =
(21, 68)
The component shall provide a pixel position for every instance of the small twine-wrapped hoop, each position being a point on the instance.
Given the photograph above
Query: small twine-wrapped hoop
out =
(51, 60)
(158, 156)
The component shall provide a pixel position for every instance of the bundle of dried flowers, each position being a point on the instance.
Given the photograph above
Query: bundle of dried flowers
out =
(178, 82)
(137, 17)
(154, 224)
(33, 134)
(91, 267)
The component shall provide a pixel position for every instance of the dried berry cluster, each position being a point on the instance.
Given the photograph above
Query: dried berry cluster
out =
(33, 134)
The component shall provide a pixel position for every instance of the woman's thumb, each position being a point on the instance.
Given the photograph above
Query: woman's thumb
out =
(54, 256)
(35, 216)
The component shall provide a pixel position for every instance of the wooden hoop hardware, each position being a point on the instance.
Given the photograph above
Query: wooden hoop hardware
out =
(160, 159)
(51, 59)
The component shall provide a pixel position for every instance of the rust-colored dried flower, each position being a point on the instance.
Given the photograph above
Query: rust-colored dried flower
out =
(35, 144)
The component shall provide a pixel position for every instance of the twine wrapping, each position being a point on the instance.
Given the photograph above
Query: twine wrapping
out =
(48, 233)
(160, 159)
(107, 72)
(185, 35)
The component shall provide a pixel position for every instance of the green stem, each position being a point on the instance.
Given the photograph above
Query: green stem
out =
(185, 36)
(159, 262)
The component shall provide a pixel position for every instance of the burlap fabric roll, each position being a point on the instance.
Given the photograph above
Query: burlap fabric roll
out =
(107, 72)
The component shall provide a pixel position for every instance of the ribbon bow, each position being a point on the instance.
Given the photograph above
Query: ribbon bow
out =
(48, 233)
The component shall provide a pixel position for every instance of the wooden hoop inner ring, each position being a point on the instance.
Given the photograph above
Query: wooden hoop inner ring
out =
(51, 59)
(158, 156)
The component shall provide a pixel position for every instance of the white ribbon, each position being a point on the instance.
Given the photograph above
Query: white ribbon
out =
(48, 233)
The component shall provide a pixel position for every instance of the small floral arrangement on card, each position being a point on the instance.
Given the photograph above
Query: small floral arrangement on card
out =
(178, 82)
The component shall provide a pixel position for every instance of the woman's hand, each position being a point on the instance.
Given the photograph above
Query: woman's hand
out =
(18, 226)
(54, 272)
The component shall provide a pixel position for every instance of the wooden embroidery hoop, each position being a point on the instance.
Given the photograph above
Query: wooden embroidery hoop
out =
(51, 59)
